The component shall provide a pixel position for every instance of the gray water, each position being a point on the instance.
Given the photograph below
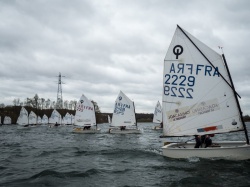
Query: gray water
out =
(43, 156)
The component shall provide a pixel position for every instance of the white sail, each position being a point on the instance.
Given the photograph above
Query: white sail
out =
(7, 120)
(23, 118)
(124, 111)
(72, 119)
(197, 95)
(67, 119)
(157, 113)
(32, 118)
(85, 112)
(39, 120)
(45, 119)
(109, 120)
(55, 117)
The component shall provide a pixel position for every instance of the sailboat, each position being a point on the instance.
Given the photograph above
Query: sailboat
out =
(32, 119)
(124, 116)
(55, 119)
(39, 120)
(85, 117)
(72, 120)
(109, 119)
(7, 120)
(23, 119)
(158, 116)
(199, 98)
(67, 119)
(45, 119)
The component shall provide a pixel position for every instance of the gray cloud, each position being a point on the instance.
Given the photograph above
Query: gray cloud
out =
(103, 47)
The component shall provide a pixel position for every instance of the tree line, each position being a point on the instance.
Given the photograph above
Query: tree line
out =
(42, 103)
(41, 106)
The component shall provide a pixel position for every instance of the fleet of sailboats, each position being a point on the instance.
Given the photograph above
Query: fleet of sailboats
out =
(199, 98)
(123, 118)
(85, 118)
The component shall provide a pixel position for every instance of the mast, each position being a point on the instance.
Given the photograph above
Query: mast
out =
(135, 115)
(236, 98)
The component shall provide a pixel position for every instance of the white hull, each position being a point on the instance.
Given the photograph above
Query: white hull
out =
(157, 128)
(126, 131)
(229, 150)
(86, 131)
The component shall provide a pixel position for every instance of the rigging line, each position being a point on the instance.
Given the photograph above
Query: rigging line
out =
(207, 60)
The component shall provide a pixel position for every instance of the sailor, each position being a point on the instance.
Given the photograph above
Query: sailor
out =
(198, 141)
(208, 141)
(123, 128)
(161, 125)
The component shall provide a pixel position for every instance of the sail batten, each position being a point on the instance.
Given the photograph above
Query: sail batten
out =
(196, 96)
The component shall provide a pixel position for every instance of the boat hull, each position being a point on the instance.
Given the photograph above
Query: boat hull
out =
(157, 128)
(23, 127)
(86, 131)
(126, 131)
(229, 150)
(51, 125)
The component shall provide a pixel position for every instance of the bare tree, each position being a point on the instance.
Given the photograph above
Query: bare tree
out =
(66, 104)
(16, 102)
(42, 103)
(74, 104)
(53, 104)
(47, 104)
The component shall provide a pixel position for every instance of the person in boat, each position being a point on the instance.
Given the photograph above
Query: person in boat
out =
(198, 141)
(208, 141)
(56, 124)
(86, 127)
(123, 128)
(161, 125)
(203, 137)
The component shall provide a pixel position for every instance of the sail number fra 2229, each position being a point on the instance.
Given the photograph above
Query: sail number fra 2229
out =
(179, 86)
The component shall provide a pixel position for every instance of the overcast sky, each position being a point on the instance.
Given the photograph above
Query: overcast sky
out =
(104, 46)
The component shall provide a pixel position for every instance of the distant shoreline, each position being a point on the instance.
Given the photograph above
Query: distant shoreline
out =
(14, 112)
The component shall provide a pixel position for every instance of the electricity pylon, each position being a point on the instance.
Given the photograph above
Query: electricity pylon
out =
(59, 101)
